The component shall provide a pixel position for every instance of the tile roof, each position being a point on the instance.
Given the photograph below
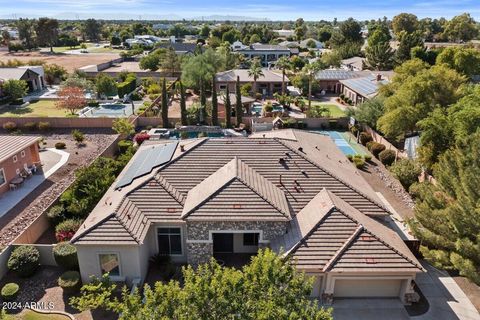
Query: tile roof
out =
(365, 86)
(12, 73)
(239, 192)
(10, 145)
(329, 234)
(339, 74)
(231, 76)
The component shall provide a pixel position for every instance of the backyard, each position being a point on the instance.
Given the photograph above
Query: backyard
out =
(335, 111)
(40, 108)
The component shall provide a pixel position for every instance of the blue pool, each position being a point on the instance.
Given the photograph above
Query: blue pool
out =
(340, 141)
(111, 110)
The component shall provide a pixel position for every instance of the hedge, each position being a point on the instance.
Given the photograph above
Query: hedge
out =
(387, 157)
(70, 281)
(56, 214)
(376, 148)
(365, 137)
(60, 145)
(407, 172)
(65, 230)
(124, 145)
(129, 85)
(10, 126)
(24, 260)
(65, 256)
(9, 291)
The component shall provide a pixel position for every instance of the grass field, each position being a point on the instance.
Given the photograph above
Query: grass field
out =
(42, 108)
(335, 111)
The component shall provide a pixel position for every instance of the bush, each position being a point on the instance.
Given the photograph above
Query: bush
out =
(9, 291)
(367, 158)
(365, 138)
(65, 256)
(93, 104)
(354, 130)
(202, 135)
(43, 126)
(60, 145)
(359, 162)
(30, 126)
(376, 148)
(78, 136)
(350, 157)
(10, 126)
(387, 157)
(183, 135)
(56, 214)
(24, 260)
(369, 145)
(70, 281)
(135, 96)
(140, 137)
(332, 124)
(65, 230)
(406, 171)
(124, 145)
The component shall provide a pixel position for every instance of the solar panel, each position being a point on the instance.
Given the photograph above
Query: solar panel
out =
(146, 160)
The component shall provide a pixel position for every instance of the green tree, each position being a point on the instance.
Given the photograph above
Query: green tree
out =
(150, 62)
(464, 60)
(15, 89)
(201, 68)
(183, 105)
(92, 29)
(404, 22)
(369, 111)
(284, 64)
(461, 28)
(228, 109)
(255, 71)
(310, 70)
(26, 32)
(238, 104)
(165, 122)
(379, 56)
(123, 126)
(350, 30)
(54, 72)
(105, 85)
(47, 32)
(446, 214)
(407, 42)
(212, 292)
(214, 103)
(170, 62)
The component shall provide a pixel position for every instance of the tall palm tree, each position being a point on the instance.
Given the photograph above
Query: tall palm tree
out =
(283, 64)
(310, 70)
(256, 72)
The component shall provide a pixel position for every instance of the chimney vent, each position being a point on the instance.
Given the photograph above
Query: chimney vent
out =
(379, 77)
(182, 148)
(300, 149)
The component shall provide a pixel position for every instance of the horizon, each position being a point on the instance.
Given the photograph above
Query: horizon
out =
(282, 10)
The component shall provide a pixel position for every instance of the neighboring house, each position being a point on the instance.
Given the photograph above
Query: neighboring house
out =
(353, 64)
(267, 85)
(246, 103)
(180, 48)
(265, 52)
(148, 40)
(329, 80)
(361, 89)
(34, 76)
(304, 44)
(16, 153)
(285, 33)
(290, 190)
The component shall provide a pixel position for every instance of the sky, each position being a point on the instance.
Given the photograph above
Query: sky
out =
(271, 10)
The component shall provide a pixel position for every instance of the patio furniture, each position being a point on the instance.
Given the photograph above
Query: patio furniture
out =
(12, 186)
(33, 168)
(18, 180)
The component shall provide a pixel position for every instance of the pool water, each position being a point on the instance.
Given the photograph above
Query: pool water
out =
(192, 134)
(340, 142)
(114, 110)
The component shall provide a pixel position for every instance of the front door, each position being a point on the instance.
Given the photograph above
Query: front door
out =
(223, 243)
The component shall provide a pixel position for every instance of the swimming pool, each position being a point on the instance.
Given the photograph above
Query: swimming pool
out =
(111, 110)
(340, 142)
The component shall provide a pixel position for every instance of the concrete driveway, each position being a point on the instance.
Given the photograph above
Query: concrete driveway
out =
(369, 309)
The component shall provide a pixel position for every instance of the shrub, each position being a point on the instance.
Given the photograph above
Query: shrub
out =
(367, 158)
(406, 171)
(70, 281)
(354, 130)
(359, 162)
(56, 214)
(9, 291)
(365, 137)
(342, 96)
(183, 135)
(65, 256)
(135, 96)
(387, 157)
(93, 104)
(369, 145)
(60, 145)
(350, 157)
(140, 137)
(202, 135)
(10, 126)
(124, 145)
(43, 126)
(78, 136)
(65, 230)
(30, 126)
(376, 148)
(258, 96)
(24, 260)
(332, 124)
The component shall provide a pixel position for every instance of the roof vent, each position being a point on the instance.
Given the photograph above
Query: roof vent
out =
(300, 149)
(367, 238)
(370, 260)
(182, 148)
(237, 206)
(304, 172)
(171, 210)
(288, 154)
(281, 160)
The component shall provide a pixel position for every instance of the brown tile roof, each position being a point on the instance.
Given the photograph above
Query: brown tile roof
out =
(231, 76)
(236, 191)
(10, 144)
(331, 235)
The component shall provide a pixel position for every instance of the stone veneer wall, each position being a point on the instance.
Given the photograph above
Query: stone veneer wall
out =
(201, 252)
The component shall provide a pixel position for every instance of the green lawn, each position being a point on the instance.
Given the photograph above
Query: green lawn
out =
(63, 49)
(335, 111)
(42, 108)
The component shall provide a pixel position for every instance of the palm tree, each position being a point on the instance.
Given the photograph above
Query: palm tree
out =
(283, 64)
(310, 70)
(256, 72)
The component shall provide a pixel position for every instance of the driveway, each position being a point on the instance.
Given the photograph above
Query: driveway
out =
(369, 309)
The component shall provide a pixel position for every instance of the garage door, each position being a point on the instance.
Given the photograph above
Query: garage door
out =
(367, 288)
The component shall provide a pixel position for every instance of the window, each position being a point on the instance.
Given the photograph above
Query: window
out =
(250, 239)
(169, 241)
(109, 263)
(223, 87)
(22, 154)
(3, 180)
(15, 159)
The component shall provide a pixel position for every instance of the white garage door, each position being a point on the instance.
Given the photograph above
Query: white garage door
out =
(367, 288)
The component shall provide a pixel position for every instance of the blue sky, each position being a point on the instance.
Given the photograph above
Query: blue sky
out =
(273, 9)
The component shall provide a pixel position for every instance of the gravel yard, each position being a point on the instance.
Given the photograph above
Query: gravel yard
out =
(17, 219)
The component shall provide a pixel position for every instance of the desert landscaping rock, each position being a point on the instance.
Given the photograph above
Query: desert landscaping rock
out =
(394, 185)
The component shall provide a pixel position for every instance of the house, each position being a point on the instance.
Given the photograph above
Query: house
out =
(353, 64)
(180, 48)
(290, 190)
(16, 154)
(267, 53)
(34, 76)
(329, 79)
(246, 103)
(267, 85)
(361, 89)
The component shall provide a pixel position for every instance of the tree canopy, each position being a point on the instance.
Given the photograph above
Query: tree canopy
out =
(201, 68)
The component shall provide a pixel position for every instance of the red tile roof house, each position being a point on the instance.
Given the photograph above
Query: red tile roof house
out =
(16, 153)
(294, 192)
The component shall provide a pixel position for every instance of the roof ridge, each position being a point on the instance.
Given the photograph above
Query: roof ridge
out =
(333, 175)
(342, 249)
(130, 202)
(84, 232)
(169, 188)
